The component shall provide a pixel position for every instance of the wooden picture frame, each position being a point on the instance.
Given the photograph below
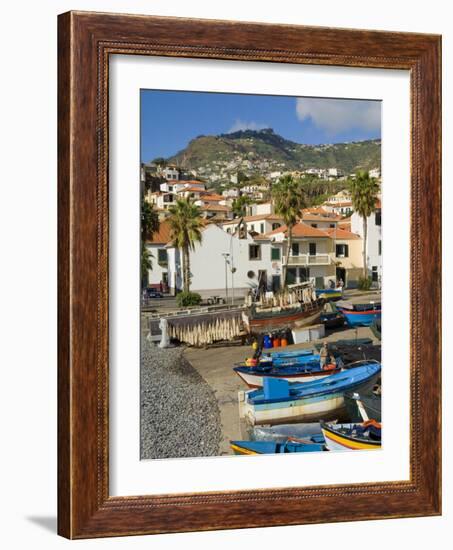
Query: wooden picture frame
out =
(85, 41)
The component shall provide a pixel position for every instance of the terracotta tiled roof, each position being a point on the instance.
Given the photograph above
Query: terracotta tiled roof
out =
(163, 235)
(306, 217)
(215, 208)
(300, 230)
(212, 197)
(341, 234)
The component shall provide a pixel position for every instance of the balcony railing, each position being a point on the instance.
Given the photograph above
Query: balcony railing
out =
(310, 259)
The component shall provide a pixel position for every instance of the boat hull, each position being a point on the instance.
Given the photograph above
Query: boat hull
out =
(339, 442)
(294, 319)
(320, 399)
(256, 380)
(360, 318)
(306, 410)
(272, 447)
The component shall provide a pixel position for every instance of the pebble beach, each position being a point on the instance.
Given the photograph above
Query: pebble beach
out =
(180, 415)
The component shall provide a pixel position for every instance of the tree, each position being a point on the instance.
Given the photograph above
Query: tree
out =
(289, 199)
(364, 195)
(186, 224)
(149, 224)
(239, 205)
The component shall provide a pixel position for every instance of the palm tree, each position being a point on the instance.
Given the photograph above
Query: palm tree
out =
(289, 199)
(149, 225)
(364, 195)
(186, 224)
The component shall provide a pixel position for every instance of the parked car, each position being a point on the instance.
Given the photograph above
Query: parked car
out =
(215, 300)
(152, 293)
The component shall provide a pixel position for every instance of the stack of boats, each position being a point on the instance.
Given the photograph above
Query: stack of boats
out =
(295, 400)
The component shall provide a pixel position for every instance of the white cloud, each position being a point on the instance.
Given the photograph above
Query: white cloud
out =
(339, 115)
(243, 125)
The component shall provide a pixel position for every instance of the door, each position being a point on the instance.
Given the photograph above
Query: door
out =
(304, 274)
(291, 275)
(341, 275)
(276, 283)
(312, 249)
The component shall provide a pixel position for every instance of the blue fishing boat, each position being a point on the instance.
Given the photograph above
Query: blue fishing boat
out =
(280, 401)
(293, 372)
(272, 447)
(281, 360)
(294, 353)
(360, 315)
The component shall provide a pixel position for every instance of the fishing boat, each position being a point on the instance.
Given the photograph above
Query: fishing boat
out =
(282, 432)
(352, 437)
(272, 447)
(360, 315)
(306, 372)
(259, 320)
(290, 360)
(330, 293)
(287, 354)
(363, 406)
(280, 401)
(295, 307)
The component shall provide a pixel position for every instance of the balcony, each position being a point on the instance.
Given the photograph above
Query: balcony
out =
(308, 259)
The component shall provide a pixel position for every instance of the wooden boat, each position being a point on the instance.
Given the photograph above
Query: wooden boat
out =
(295, 306)
(259, 320)
(363, 406)
(280, 401)
(352, 437)
(305, 372)
(273, 447)
(360, 315)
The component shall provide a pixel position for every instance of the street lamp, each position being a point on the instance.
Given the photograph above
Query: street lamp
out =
(226, 256)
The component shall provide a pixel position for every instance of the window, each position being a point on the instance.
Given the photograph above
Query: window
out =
(162, 256)
(332, 226)
(380, 247)
(275, 254)
(314, 225)
(262, 228)
(374, 274)
(295, 249)
(275, 226)
(377, 217)
(312, 249)
(254, 252)
(342, 251)
(252, 227)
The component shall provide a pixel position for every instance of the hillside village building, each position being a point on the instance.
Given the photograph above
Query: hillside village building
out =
(374, 242)
(322, 256)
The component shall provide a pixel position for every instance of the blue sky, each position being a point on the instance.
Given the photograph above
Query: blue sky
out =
(169, 119)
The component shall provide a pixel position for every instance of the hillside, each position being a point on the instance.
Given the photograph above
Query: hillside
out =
(263, 151)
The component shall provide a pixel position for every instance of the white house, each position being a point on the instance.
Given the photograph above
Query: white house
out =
(211, 263)
(374, 241)
(226, 262)
(311, 256)
(261, 223)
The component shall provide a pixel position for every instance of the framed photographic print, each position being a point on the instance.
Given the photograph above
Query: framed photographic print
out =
(249, 275)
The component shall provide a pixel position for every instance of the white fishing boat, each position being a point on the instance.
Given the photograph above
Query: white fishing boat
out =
(280, 401)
